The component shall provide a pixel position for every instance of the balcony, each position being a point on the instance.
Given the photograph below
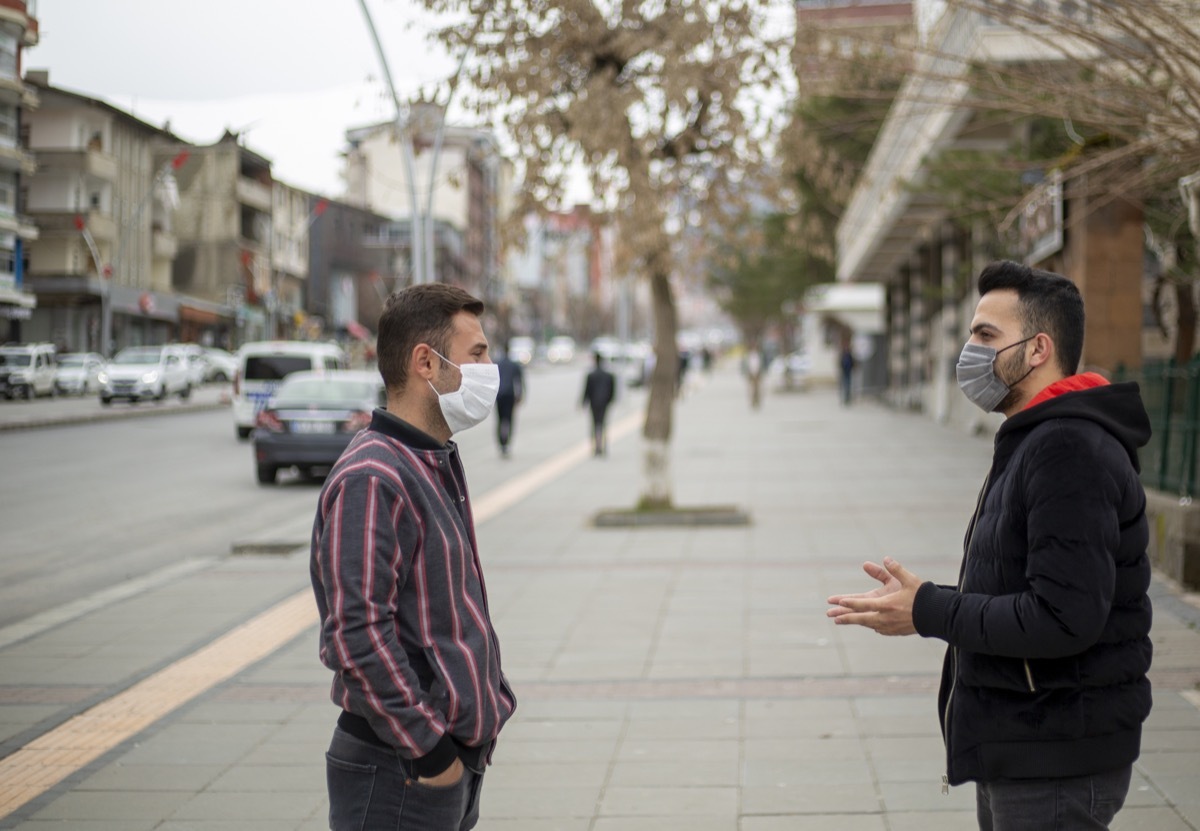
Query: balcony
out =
(16, 92)
(102, 225)
(21, 13)
(93, 163)
(21, 226)
(254, 194)
(17, 158)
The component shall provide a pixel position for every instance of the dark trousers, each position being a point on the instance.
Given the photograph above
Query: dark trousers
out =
(1077, 804)
(372, 788)
(505, 405)
(599, 436)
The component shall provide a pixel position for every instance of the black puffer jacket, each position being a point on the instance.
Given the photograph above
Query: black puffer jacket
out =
(1049, 627)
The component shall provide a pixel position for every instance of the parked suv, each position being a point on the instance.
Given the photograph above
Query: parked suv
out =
(27, 369)
(138, 372)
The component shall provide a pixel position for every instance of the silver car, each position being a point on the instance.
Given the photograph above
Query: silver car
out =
(78, 373)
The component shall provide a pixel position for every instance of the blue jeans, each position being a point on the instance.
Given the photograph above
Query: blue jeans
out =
(371, 788)
(1083, 802)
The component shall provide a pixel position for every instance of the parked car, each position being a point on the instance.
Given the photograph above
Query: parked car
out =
(311, 417)
(27, 370)
(521, 349)
(560, 349)
(138, 372)
(789, 372)
(262, 366)
(78, 373)
(221, 365)
(196, 363)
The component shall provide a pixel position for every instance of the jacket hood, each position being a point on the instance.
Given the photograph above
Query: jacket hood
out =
(1118, 408)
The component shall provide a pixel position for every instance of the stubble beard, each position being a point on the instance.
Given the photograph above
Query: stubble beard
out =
(1011, 366)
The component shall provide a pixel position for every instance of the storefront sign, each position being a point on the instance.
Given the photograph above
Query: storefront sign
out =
(1041, 224)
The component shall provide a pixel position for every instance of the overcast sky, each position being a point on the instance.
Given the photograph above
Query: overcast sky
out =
(292, 75)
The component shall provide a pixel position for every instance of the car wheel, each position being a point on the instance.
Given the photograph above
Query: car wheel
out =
(266, 474)
(134, 399)
(105, 401)
(27, 393)
(185, 393)
(219, 377)
(244, 432)
(162, 393)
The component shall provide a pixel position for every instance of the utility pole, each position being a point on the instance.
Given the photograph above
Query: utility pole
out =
(404, 135)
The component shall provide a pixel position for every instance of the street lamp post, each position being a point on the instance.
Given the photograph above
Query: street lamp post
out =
(404, 134)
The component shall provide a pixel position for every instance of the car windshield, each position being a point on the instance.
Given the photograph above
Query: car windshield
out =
(17, 358)
(275, 367)
(127, 357)
(70, 360)
(325, 390)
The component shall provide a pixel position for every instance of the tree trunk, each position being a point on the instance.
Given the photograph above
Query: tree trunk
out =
(656, 493)
(1185, 334)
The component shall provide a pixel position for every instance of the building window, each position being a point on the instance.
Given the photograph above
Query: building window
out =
(9, 125)
(8, 53)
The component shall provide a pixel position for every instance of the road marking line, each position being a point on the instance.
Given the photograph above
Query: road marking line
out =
(55, 755)
(516, 489)
(52, 757)
(56, 617)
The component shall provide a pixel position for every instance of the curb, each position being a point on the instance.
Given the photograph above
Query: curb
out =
(37, 423)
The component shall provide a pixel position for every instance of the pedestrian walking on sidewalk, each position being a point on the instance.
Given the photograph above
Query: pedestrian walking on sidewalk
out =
(512, 390)
(599, 390)
(1044, 686)
(399, 585)
(846, 373)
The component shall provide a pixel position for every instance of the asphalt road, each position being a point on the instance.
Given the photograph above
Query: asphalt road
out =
(91, 504)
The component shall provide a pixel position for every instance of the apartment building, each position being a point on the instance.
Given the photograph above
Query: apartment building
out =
(102, 199)
(225, 261)
(469, 184)
(18, 31)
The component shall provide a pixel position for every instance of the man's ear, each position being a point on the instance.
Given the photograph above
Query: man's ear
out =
(422, 364)
(1043, 350)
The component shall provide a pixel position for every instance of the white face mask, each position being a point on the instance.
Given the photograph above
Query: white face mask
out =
(472, 402)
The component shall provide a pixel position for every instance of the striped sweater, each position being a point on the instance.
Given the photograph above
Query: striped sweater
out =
(399, 587)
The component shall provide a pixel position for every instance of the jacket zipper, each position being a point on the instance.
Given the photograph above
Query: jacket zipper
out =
(954, 650)
(1029, 676)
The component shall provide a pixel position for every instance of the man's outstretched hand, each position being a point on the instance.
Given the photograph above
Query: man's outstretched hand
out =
(888, 608)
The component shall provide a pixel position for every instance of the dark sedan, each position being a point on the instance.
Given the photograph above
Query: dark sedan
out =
(311, 418)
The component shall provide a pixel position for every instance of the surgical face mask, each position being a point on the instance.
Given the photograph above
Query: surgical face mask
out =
(472, 402)
(976, 371)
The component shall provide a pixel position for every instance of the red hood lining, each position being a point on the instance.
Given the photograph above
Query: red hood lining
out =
(1073, 383)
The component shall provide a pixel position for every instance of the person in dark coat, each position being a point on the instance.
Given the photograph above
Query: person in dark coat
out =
(1044, 686)
(512, 390)
(599, 390)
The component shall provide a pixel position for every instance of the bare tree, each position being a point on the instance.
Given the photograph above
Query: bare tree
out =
(665, 104)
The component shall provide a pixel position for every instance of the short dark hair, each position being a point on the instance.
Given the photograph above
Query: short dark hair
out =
(1048, 303)
(415, 315)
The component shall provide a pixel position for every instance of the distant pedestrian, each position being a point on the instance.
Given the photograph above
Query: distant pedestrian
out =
(846, 374)
(1044, 686)
(512, 391)
(685, 361)
(599, 390)
(399, 584)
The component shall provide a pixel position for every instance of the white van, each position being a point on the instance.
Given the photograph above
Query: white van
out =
(262, 365)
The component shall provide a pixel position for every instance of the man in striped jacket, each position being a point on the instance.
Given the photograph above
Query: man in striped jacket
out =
(399, 585)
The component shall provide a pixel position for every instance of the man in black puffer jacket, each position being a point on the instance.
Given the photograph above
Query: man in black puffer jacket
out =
(1044, 686)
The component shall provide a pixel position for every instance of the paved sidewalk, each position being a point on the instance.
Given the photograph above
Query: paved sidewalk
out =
(681, 678)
